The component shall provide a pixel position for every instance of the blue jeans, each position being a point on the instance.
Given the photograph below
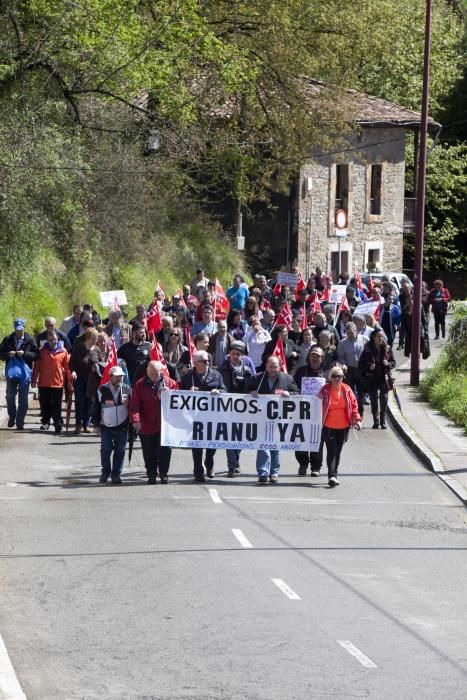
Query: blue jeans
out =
(82, 403)
(113, 441)
(233, 459)
(267, 462)
(14, 387)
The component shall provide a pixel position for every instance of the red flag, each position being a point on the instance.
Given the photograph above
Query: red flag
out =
(316, 306)
(358, 278)
(325, 295)
(376, 313)
(111, 362)
(277, 290)
(300, 285)
(156, 354)
(153, 319)
(279, 352)
(304, 319)
(220, 297)
(344, 304)
(370, 285)
(191, 346)
(285, 316)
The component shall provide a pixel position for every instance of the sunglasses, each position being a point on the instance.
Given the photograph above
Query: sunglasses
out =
(205, 361)
(337, 376)
(174, 335)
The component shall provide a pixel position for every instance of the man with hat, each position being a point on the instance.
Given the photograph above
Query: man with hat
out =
(312, 368)
(110, 418)
(236, 376)
(18, 350)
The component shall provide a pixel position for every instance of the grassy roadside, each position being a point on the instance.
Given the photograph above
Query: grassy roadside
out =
(445, 385)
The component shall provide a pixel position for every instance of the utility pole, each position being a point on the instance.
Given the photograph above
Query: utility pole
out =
(420, 228)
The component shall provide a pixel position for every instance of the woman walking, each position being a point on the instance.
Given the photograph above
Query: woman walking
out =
(376, 362)
(340, 412)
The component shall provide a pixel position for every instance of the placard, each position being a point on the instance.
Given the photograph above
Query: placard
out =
(367, 308)
(290, 279)
(240, 421)
(108, 299)
(311, 386)
(337, 293)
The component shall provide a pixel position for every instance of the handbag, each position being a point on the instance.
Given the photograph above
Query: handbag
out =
(426, 352)
(18, 371)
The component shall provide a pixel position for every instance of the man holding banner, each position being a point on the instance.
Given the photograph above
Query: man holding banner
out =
(202, 378)
(272, 381)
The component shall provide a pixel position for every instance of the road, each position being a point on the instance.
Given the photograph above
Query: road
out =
(147, 592)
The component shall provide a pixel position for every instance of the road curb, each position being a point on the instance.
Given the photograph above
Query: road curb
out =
(429, 458)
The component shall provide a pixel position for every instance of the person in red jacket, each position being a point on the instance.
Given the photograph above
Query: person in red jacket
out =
(49, 373)
(145, 414)
(439, 297)
(340, 412)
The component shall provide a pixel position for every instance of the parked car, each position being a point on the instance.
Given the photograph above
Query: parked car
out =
(396, 278)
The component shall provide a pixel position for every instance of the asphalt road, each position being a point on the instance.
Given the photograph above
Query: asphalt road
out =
(146, 592)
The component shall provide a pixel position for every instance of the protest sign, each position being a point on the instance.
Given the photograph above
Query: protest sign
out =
(311, 385)
(290, 279)
(242, 422)
(367, 308)
(108, 299)
(337, 293)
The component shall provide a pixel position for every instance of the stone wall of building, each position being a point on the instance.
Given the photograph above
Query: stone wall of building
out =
(316, 203)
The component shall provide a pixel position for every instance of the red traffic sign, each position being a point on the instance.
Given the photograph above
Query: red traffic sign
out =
(341, 218)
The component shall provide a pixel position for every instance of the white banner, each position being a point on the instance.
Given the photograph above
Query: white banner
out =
(108, 299)
(290, 279)
(367, 308)
(240, 421)
(337, 293)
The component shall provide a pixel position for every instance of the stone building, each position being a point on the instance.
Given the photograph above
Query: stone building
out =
(366, 178)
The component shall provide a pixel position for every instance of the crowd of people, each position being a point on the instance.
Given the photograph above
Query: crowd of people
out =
(265, 338)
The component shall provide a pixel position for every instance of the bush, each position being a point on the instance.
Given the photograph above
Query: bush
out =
(445, 386)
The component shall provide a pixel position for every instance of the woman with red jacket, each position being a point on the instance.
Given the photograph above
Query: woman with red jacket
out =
(439, 297)
(340, 412)
(50, 372)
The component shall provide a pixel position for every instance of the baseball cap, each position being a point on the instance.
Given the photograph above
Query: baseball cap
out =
(238, 345)
(116, 372)
(19, 324)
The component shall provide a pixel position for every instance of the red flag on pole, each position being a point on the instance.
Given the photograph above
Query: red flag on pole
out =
(153, 319)
(300, 285)
(277, 290)
(304, 318)
(376, 312)
(111, 362)
(285, 316)
(325, 295)
(316, 306)
(220, 296)
(279, 352)
(370, 285)
(191, 346)
(344, 304)
(156, 354)
(358, 278)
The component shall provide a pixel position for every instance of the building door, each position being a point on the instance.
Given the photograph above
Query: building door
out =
(345, 263)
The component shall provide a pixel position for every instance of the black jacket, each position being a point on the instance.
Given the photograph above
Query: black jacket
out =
(235, 380)
(42, 338)
(29, 347)
(289, 348)
(134, 355)
(283, 382)
(211, 380)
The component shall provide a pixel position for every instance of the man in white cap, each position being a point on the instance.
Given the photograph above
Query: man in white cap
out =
(110, 417)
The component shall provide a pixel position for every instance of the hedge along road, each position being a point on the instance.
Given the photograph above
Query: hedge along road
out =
(229, 590)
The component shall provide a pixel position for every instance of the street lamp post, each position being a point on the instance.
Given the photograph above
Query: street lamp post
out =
(420, 228)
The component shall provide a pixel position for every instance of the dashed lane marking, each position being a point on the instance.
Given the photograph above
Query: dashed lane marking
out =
(10, 688)
(244, 541)
(282, 586)
(215, 495)
(359, 655)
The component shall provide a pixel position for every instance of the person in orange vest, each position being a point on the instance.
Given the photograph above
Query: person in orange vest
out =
(49, 373)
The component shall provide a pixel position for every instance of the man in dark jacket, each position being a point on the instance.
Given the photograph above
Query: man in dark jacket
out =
(236, 377)
(50, 325)
(272, 381)
(136, 351)
(110, 417)
(219, 344)
(202, 378)
(18, 350)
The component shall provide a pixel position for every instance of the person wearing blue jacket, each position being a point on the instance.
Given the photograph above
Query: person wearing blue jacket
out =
(18, 350)
(389, 318)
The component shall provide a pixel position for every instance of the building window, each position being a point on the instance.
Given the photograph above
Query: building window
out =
(342, 187)
(373, 256)
(375, 188)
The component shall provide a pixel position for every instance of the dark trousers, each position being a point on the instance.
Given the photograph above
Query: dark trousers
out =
(440, 321)
(334, 439)
(82, 403)
(382, 394)
(50, 401)
(197, 453)
(156, 456)
(354, 381)
(113, 441)
(314, 459)
(14, 387)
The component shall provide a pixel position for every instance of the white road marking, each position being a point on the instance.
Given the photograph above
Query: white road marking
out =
(282, 586)
(215, 496)
(11, 484)
(10, 688)
(359, 655)
(330, 502)
(242, 539)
